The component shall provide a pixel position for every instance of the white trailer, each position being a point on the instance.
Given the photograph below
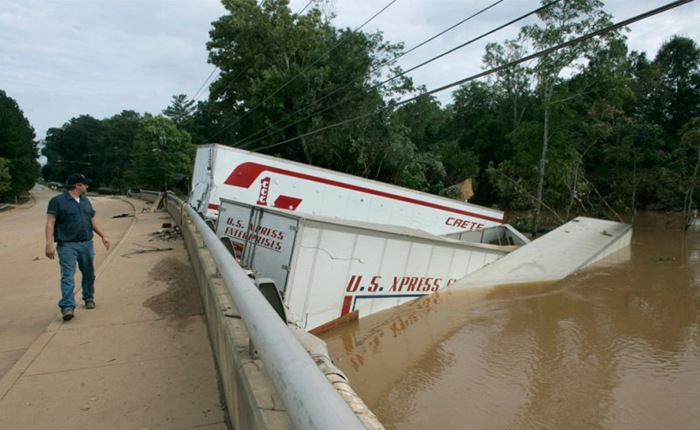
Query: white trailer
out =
(327, 268)
(221, 172)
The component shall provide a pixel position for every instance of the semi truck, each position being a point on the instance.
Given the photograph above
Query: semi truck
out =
(326, 269)
(222, 172)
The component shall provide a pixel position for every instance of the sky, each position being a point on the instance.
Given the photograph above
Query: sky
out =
(60, 59)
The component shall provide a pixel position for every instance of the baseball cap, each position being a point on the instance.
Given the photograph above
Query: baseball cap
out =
(77, 178)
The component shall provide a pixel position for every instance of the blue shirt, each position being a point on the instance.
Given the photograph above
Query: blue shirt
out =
(73, 219)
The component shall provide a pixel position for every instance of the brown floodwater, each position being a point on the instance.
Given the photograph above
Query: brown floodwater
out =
(616, 346)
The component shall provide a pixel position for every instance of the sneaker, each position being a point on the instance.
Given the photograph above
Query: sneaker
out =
(67, 314)
(89, 304)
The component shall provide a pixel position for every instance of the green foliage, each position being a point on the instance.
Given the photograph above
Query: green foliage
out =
(439, 163)
(512, 83)
(424, 122)
(689, 151)
(70, 149)
(208, 125)
(5, 178)
(475, 136)
(98, 148)
(589, 129)
(163, 155)
(673, 85)
(19, 170)
(262, 53)
(180, 110)
(561, 22)
(550, 138)
(284, 76)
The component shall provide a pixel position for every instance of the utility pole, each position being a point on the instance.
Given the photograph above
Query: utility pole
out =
(90, 163)
(163, 140)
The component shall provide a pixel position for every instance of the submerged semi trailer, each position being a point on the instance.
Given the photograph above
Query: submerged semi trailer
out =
(327, 268)
(222, 172)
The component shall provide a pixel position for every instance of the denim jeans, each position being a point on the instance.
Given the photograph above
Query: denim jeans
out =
(71, 254)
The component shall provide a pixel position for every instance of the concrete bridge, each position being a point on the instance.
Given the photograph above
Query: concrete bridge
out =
(166, 347)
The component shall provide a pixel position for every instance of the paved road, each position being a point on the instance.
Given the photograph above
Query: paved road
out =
(28, 280)
(140, 360)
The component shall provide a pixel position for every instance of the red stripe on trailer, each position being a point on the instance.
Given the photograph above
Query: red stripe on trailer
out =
(347, 303)
(287, 202)
(245, 174)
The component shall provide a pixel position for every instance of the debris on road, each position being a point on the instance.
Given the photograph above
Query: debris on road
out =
(173, 233)
(144, 251)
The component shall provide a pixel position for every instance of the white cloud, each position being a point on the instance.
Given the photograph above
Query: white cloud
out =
(413, 21)
(60, 59)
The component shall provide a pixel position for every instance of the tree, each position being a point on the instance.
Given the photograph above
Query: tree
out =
(163, 155)
(180, 110)
(690, 153)
(210, 125)
(668, 97)
(633, 164)
(370, 143)
(561, 22)
(72, 148)
(481, 120)
(676, 96)
(597, 126)
(284, 76)
(263, 53)
(514, 81)
(5, 177)
(115, 148)
(98, 148)
(19, 168)
(425, 123)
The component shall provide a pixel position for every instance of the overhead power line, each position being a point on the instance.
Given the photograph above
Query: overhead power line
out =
(304, 70)
(200, 91)
(538, 54)
(249, 139)
(555, 48)
(347, 99)
(488, 33)
(449, 29)
(304, 8)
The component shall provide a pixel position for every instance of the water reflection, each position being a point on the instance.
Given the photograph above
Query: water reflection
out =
(616, 346)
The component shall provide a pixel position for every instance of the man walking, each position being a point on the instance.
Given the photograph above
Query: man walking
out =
(70, 223)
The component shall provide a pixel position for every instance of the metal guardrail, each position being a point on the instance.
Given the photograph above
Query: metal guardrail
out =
(177, 200)
(309, 398)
